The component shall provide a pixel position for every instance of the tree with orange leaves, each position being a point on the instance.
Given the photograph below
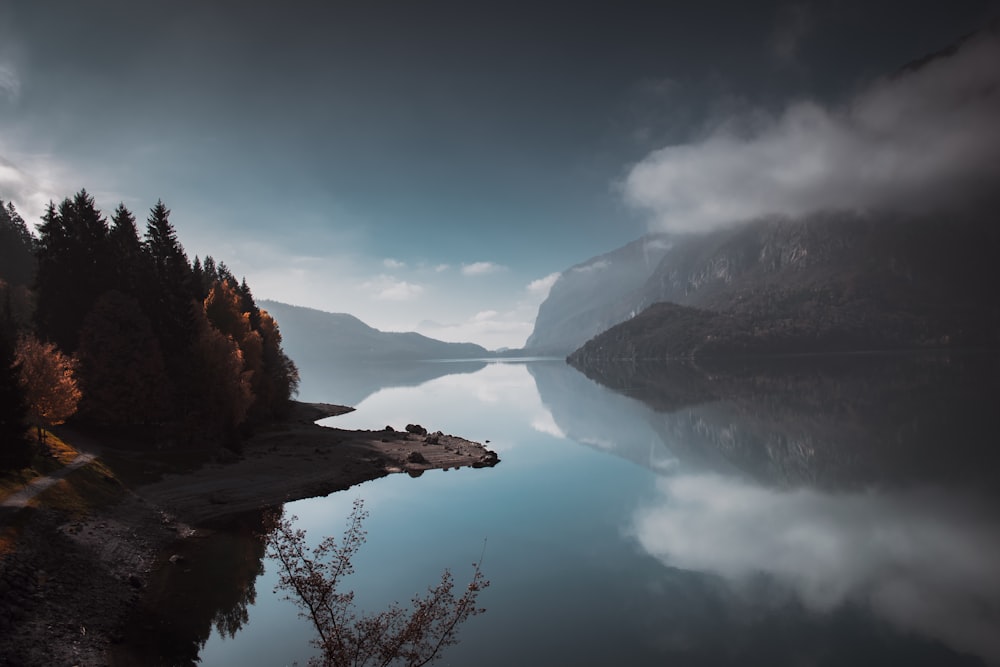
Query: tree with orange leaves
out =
(48, 382)
(394, 636)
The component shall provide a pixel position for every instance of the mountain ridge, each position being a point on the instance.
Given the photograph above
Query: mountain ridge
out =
(312, 335)
(828, 282)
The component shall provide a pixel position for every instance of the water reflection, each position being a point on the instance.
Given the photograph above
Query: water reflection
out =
(204, 584)
(925, 560)
(854, 481)
(839, 512)
(835, 422)
(343, 383)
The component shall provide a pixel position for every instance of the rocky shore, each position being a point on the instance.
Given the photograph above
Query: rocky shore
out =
(69, 583)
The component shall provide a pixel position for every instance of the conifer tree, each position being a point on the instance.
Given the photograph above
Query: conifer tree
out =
(199, 284)
(15, 450)
(73, 268)
(168, 303)
(127, 256)
(17, 247)
(122, 374)
(281, 377)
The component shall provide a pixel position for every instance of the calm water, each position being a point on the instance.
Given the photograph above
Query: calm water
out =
(813, 512)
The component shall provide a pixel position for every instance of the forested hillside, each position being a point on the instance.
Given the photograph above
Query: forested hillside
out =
(115, 329)
(828, 282)
(316, 336)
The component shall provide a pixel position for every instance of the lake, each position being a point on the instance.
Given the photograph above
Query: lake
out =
(814, 511)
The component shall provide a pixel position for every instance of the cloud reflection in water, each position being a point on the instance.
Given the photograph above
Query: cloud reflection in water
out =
(923, 560)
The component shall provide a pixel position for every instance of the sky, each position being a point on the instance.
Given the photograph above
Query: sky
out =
(433, 166)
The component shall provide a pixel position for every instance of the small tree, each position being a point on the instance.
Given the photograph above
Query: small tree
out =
(391, 637)
(48, 382)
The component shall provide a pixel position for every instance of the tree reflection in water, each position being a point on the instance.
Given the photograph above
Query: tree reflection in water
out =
(201, 583)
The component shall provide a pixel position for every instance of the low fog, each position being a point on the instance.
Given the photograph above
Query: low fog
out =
(926, 138)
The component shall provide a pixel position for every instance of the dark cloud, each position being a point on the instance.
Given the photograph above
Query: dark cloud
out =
(927, 138)
(793, 25)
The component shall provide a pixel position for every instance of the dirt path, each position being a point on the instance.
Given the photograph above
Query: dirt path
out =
(24, 496)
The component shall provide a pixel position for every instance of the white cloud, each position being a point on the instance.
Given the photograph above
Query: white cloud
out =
(925, 139)
(440, 268)
(598, 265)
(389, 288)
(658, 244)
(540, 288)
(31, 181)
(481, 268)
(544, 422)
(490, 328)
(393, 264)
(923, 562)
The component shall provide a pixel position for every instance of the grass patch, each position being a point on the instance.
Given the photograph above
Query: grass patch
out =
(83, 490)
(58, 450)
(46, 458)
(93, 485)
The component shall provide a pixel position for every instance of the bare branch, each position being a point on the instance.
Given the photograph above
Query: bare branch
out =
(392, 636)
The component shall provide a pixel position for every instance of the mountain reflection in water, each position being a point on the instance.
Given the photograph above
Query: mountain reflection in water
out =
(818, 511)
(838, 422)
(866, 480)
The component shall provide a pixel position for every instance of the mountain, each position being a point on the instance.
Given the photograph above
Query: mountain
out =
(590, 297)
(828, 282)
(313, 336)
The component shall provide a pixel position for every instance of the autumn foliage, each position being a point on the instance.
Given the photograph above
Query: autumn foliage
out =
(48, 381)
(132, 331)
(314, 580)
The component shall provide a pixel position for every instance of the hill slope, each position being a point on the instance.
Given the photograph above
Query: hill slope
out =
(311, 335)
(592, 296)
(831, 282)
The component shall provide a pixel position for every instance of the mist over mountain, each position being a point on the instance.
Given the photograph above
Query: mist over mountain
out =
(312, 336)
(865, 226)
(829, 282)
(595, 295)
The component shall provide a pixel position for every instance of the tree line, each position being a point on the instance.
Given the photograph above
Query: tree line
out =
(116, 329)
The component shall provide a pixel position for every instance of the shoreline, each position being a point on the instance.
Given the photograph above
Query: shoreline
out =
(298, 459)
(70, 585)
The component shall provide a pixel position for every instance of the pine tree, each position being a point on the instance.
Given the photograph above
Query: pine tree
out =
(127, 255)
(15, 450)
(121, 369)
(17, 247)
(168, 303)
(198, 282)
(73, 267)
(280, 376)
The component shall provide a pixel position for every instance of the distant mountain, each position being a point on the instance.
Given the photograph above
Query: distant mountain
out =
(590, 297)
(830, 282)
(311, 336)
